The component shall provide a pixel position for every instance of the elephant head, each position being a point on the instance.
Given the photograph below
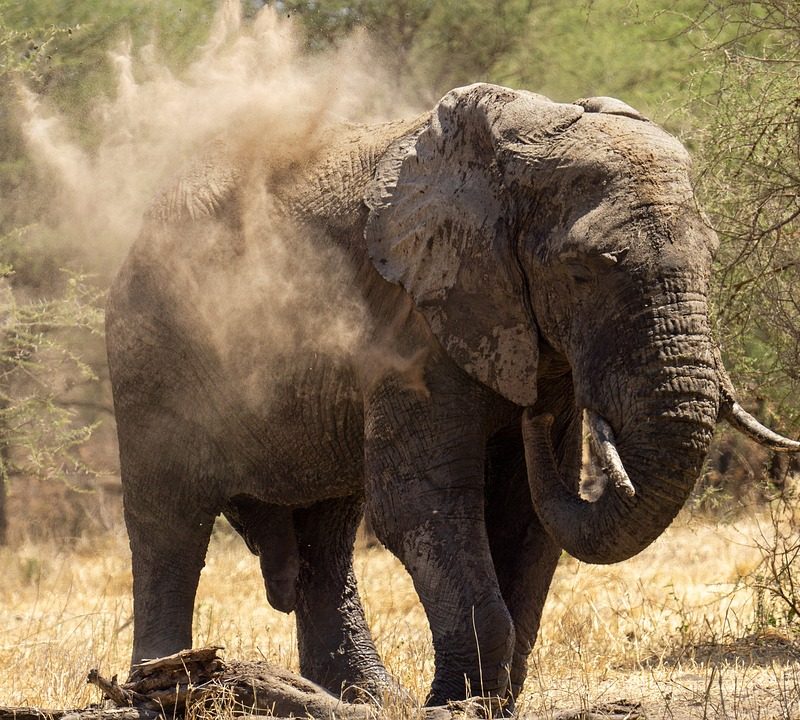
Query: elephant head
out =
(557, 253)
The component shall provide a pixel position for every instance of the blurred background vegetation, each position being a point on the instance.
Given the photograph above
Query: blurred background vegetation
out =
(724, 75)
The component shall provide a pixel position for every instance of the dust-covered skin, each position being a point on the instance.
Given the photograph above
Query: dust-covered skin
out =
(413, 320)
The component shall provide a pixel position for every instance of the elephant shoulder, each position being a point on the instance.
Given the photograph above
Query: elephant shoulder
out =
(200, 191)
(333, 182)
(326, 182)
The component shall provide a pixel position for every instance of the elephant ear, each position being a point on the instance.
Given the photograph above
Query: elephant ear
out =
(610, 106)
(441, 225)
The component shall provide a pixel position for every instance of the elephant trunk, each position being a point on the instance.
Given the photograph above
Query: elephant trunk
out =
(652, 470)
(624, 520)
(652, 413)
(653, 388)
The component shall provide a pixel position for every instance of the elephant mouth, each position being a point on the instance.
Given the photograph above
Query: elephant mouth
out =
(603, 445)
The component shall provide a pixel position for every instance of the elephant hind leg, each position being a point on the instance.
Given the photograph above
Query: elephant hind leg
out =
(170, 501)
(268, 531)
(169, 532)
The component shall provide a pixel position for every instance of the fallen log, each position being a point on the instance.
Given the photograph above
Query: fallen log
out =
(29, 713)
(191, 680)
(171, 684)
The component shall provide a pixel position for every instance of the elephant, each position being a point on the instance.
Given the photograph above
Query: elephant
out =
(524, 269)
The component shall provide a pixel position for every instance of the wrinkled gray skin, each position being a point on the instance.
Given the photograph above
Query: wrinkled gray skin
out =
(534, 260)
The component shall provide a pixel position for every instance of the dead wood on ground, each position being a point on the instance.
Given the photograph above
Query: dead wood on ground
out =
(200, 682)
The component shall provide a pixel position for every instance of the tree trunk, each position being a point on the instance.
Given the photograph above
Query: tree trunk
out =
(3, 496)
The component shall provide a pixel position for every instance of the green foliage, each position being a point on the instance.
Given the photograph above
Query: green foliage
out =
(748, 153)
(63, 50)
(64, 45)
(21, 51)
(468, 41)
(37, 364)
(38, 316)
(637, 51)
(428, 47)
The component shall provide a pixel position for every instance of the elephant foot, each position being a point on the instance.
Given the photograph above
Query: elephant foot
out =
(474, 708)
(497, 702)
(375, 687)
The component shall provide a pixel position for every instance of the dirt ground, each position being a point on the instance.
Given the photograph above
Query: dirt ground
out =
(681, 628)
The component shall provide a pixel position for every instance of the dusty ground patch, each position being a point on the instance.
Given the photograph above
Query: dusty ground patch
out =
(673, 628)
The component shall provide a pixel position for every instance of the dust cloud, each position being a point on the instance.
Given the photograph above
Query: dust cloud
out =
(249, 106)
(249, 82)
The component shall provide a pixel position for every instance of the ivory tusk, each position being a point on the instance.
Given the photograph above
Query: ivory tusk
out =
(746, 424)
(605, 448)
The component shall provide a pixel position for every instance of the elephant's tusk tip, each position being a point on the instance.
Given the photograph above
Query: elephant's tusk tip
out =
(606, 449)
(745, 423)
(620, 478)
(626, 486)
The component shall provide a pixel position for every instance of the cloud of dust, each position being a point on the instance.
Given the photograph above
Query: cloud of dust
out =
(251, 93)
(249, 81)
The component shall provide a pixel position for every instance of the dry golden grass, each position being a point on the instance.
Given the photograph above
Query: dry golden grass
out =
(668, 628)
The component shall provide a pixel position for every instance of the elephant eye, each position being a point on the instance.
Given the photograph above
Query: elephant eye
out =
(579, 272)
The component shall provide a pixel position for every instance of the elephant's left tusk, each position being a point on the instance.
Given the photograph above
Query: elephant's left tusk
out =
(745, 423)
(605, 448)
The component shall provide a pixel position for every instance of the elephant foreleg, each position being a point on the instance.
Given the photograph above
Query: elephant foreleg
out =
(166, 572)
(525, 558)
(424, 467)
(336, 648)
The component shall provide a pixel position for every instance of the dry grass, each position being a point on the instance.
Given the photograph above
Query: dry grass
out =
(669, 628)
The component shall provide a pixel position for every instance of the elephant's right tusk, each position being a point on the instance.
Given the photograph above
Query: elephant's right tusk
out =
(746, 424)
(605, 448)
